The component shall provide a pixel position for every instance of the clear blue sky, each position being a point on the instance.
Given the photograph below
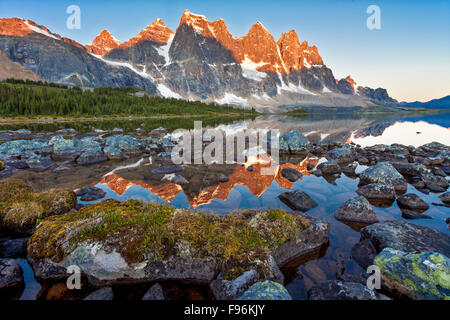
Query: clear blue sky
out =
(409, 55)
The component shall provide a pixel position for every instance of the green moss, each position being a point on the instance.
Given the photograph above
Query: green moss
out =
(21, 207)
(140, 231)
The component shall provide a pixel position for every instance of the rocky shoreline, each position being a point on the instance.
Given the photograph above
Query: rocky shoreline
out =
(238, 255)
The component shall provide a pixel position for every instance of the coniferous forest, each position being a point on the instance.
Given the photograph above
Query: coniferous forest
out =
(30, 98)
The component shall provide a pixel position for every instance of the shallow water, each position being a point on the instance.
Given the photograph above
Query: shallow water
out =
(133, 180)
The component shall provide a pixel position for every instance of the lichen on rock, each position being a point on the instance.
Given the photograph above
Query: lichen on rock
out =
(424, 275)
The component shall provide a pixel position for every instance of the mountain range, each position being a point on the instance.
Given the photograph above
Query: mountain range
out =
(201, 60)
(442, 103)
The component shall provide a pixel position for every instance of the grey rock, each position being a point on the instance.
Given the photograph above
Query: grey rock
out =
(167, 170)
(91, 156)
(126, 144)
(363, 253)
(113, 153)
(413, 202)
(102, 294)
(406, 237)
(377, 191)
(384, 173)
(445, 197)
(156, 292)
(298, 200)
(12, 247)
(175, 178)
(293, 141)
(356, 210)
(40, 163)
(291, 174)
(11, 274)
(91, 194)
(329, 167)
(341, 155)
(339, 290)
(408, 214)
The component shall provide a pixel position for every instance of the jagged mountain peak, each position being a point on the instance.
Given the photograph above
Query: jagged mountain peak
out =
(103, 43)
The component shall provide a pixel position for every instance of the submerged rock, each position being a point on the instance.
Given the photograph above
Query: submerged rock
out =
(408, 214)
(406, 237)
(424, 275)
(11, 274)
(329, 167)
(445, 197)
(12, 247)
(167, 170)
(341, 155)
(133, 242)
(363, 253)
(293, 142)
(291, 174)
(384, 173)
(22, 208)
(102, 294)
(266, 290)
(91, 194)
(156, 292)
(356, 210)
(413, 202)
(377, 192)
(339, 290)
(298, 200)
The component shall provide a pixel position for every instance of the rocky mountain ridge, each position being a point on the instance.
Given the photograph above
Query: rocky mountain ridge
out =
(201, 60)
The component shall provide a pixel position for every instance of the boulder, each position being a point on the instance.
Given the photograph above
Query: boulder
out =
(103, 294)
(266, 290)
(291, 174)
(356, 210)
(298, 200)
(445, 197)
(341, 155)
(11, 274)
(113, 153)
(363, 253)
(175, 178)
(408, 214)
(22, 208)
(377, 192)
(413, 202)
(329, 167)
(91, 156)
(154, 293)
(39, 163)
(339, 290)
(91, 194)
(384, 173)
(231, 289)
(12, 247)
(134, 242)
(406, 237)
(167, 169)
(419, 276)
(126, 144)
(64, 149)
(293, 142)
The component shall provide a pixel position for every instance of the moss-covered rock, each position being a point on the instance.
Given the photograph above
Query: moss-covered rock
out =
(2, 166)
(424, 275)
(21, 209)
(148, 242)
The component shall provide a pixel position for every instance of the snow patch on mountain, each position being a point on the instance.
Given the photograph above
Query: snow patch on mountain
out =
(143, 73)
(39, 30)
(163, 51)
(166, 92)
(231, 99)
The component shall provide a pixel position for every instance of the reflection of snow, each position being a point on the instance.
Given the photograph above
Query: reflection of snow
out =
(406, 133)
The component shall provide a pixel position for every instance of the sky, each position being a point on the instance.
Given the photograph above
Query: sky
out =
(409, 55)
